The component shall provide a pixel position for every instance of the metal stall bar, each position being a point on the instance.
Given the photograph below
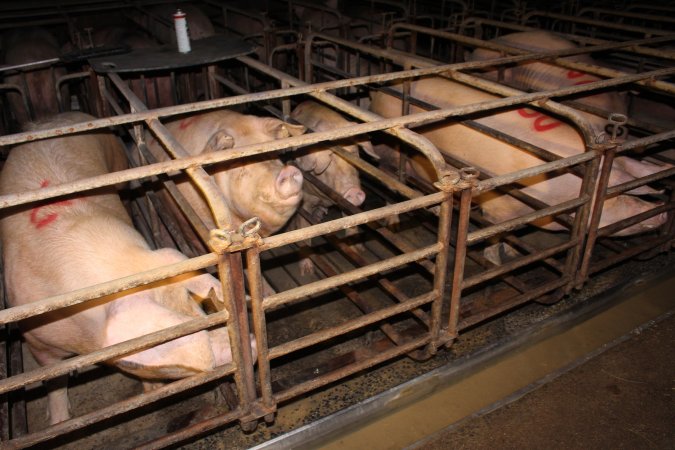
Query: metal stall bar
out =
(124, 406)
(593, 23)
(638, 49)
(555, 56)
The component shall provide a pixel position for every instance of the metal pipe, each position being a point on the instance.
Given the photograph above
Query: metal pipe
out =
(351, 325)
(295, 294)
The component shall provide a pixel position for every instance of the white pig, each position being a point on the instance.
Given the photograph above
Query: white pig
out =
(265, 188)
(541, 76)
(62, 245)
(328, 167)
(497, 157)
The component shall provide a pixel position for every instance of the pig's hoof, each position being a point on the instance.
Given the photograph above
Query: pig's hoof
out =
(306, 267)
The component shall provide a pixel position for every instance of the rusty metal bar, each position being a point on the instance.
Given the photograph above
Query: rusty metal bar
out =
(509, 178)
(110, 287)
(122, 407)
(595, 23)
(629, 185)
(202, 181)
(351, 325)
(231, 274)
(620, 225)
(461, 244)
(480, 235)
(350, 221)
(259, 326)
(292, 295)
(606, 262)
(599, 201)
(132, 345)
(440, 274)
(351, 369)
(518, 300)
(555, 56)
(643, 51)
(520, 262)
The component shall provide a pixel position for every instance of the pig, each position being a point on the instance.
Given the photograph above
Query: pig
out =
(25, 45)
(62, 245)
(540, 76)
(497, 157)
(328, 167)
(266, 188)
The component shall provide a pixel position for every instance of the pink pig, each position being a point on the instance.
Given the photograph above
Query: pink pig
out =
(63, 245)
(327, 166)
(263, 187)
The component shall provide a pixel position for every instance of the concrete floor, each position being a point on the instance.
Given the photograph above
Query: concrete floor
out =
(605, 382)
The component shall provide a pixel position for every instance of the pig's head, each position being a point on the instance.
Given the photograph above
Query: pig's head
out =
(260, 187)
(336, 172)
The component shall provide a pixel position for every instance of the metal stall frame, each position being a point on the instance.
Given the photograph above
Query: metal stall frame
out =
(647, 79)
(224, 252)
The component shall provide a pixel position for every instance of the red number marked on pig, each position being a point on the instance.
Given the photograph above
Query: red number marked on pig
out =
(41, 222)
(186, 122)
(575, 74)
(540, 120)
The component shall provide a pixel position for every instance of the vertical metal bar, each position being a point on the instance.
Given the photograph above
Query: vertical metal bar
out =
(440, 271)
(460, 260)
(105, 110)
(286, 102)
(581, 223)
(598, 205)
(231, 275)
(260, 329)
(224, 273)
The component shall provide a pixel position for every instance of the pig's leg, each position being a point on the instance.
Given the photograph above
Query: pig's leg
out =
(57, 388)
(306, 264)
(137, 315)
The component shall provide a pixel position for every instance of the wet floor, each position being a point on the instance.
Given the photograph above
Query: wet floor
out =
(604, 382)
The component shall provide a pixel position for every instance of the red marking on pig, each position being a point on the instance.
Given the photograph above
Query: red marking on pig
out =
(42, 221)
(574, 74)
(540, 122)
(186, 122)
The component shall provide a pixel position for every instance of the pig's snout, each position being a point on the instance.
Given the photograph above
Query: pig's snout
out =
(355, 196)
(289, 182)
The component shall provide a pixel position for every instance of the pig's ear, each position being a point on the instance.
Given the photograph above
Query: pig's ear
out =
(281, 130)
(315, 162)
(219, 141)
(306, 162)
(367, 147)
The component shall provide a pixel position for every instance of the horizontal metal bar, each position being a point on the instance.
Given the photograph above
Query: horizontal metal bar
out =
(517, 263)
(292, 295)
(113, 351)
(355, 324)
(633, 220)
(518, 300)
(124, 406)
(619, 188)
(110, 287)
(509, 178)
(336, 375)
(508, 225)
(351, 221)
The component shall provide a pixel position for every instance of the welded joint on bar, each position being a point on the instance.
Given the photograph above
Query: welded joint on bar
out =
(246, 236)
